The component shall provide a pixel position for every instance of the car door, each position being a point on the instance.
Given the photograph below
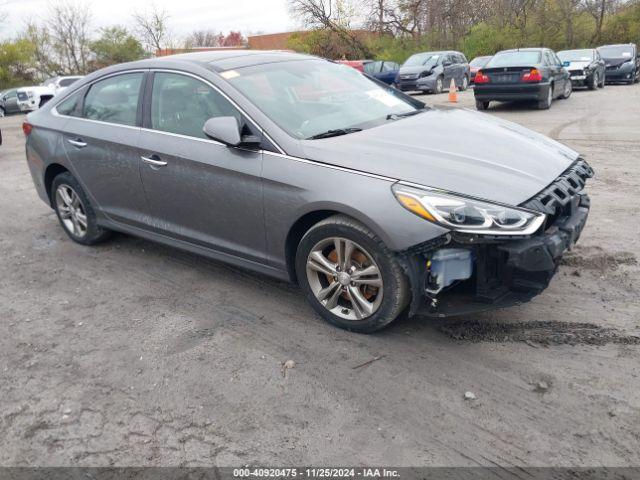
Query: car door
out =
(100, 139)
(199, 190)
(564, 76)
(11, 101)
(448, 70)
(554, 72)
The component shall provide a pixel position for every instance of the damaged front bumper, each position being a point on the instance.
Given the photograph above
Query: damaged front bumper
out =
(505, 271)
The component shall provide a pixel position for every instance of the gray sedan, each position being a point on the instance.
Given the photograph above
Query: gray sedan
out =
(308, 171)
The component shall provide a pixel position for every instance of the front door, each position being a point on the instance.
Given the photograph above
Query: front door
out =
(11, 102)
(101, 142)
(199, 190)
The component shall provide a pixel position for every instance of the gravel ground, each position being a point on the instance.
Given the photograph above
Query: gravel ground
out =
(136, 354)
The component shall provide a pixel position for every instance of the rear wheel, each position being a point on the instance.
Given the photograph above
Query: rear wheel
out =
(74, 211)
(482, 105)
(349, 276)
(568, 88)
(602, 82)
(545, 103)
(465, 83)
(1, 112)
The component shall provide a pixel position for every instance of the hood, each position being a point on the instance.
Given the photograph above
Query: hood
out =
(575, 65)
(616, 62)
(416, 69)
(452, 149)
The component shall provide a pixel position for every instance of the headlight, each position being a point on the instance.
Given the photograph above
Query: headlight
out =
(468, 215)
(425, 74)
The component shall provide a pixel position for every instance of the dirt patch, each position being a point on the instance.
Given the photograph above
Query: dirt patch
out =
(596, 258)
(536, 333)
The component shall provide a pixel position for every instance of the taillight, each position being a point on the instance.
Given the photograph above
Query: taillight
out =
(26, 128)
(481, 77)
(532, 75)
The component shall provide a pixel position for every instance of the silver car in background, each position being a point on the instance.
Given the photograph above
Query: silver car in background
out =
(308, 171)
(432, 72)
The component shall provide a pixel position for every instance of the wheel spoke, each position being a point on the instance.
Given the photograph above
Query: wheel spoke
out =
(333, 299)
(370, 271)
(65, 212)
(325, 292)
(372, 282)
(361, 305)
(318, 262)
(348, 251)
(76, 226)
(339, 246)
(66, 198)
(82, 219)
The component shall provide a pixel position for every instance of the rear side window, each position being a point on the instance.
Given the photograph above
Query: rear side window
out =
(10, 94)
(70, 106)
(182, 104)
(23, 96)
(114, 100)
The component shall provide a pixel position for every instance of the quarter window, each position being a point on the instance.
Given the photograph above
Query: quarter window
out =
(71, 106)
(114, 100)
(182, 104)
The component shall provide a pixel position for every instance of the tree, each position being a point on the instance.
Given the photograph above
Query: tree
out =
(45, 61)
(68, 28)
(152, 28)
(16, 63)
(116, 45)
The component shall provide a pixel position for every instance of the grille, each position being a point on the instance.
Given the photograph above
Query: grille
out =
(558, 197)
(576, 72)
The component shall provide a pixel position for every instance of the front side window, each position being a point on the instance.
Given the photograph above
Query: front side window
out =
(115, 99)
(182, 104)
(307, 98)
(10, 94)
(422, 59)
(576, 55)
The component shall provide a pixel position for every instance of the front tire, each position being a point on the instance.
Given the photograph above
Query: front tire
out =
(568, 88)
(349, 276)
(593, 83)
(465, 83)
(74, 211)
(439, 85)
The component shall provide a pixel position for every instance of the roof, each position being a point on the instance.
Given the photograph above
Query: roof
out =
(231, 59)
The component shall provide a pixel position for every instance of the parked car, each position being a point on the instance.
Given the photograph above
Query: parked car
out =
(433, 71)
(585, 66)
(622, 62)
(475, 65)
(522, 74)
(9, 102)
(32, 98)
(295, 167)
(383, 70)
(58, 84)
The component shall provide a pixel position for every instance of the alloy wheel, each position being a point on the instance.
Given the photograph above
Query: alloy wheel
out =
(344, 278)
(71, 211)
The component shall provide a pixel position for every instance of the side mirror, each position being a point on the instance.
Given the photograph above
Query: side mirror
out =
(223, 129)
(446, 64)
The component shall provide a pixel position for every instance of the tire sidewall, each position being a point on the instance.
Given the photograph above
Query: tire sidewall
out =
(392, 277)
(94, 233)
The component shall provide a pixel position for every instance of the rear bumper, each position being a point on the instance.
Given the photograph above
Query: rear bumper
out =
(510, 271)
(488, 92)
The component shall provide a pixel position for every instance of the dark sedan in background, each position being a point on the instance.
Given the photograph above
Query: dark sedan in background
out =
(383, 70)
(622, 62)
(522, 74)
(586, 67)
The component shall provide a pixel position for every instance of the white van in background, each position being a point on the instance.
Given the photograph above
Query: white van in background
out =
(32, 98)
(58, 84)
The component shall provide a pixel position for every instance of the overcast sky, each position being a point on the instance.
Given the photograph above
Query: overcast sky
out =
(248, 16)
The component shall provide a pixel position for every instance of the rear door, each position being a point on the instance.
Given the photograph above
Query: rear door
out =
(101, 139)
(198, 189)
(449, 69)
(11, 101)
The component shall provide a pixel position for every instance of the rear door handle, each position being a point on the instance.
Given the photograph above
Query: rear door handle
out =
(77, 143)
(154, 160)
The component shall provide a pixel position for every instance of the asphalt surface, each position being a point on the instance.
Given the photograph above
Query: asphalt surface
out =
(131, 353)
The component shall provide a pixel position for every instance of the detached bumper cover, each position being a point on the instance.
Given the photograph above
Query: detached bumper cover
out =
(512, 271)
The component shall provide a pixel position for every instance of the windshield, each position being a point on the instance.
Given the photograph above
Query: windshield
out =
(422, 59)
(307, 98)
(514, 59)
(479, 61)
(576, 55)
(620, 51)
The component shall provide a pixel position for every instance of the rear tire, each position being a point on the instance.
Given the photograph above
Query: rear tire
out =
(74, 211)
(2, 114)
(465, 83)
(482, 105)
(568, 88)
(545, 103)
(335, 287)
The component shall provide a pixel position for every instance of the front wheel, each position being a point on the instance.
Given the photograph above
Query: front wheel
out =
(465, 83)
(74, 211)
(593, 83)
(349, 276)
(439, 85)
(2, 112)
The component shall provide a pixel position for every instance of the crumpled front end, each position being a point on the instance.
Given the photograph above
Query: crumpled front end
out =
(461, 273)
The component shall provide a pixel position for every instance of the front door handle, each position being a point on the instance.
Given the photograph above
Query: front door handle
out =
(154, 160)
(77, 143)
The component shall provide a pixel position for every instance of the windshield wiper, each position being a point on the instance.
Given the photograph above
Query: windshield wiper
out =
(334, 133)
(395, 116)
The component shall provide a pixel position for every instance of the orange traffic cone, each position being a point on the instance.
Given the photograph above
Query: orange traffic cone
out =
(453, 92)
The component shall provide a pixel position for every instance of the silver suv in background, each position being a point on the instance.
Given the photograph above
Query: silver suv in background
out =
(58, 84)
(431, 72)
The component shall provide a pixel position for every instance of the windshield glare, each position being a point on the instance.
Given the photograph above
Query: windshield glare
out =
(623, 51)
(306, 98)
(576, 55)
(514, 59)
(424, 59)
